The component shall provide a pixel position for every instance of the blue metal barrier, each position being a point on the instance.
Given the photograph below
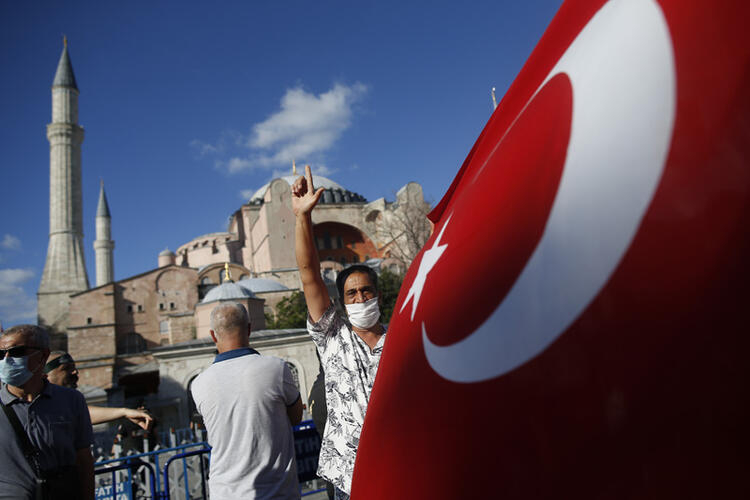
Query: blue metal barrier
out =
(307, 448)
(151, 455)
(130, 463)
(183, 456)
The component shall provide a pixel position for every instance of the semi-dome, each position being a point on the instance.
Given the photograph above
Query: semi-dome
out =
(333, 191)
(227, 291)
(260, 285)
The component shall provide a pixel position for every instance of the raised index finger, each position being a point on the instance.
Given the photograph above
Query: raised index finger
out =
(308, 176)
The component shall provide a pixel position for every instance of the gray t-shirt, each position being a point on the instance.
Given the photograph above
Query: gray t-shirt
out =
(57, 423)
(243, 398)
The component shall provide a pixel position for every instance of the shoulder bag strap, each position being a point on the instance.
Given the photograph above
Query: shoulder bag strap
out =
(29, 451)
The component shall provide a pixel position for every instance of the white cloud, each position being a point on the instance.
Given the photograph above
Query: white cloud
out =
(304, 128)
(245, 194)
(204, 148)
(227, 138)
(10, 242)
(15, 303)
(238, 164)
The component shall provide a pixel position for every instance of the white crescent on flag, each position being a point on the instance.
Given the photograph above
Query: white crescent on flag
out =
(576, 326)
(622, 71)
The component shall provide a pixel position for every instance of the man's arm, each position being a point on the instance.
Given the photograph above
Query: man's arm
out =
(101, 414)
(294, 412)
(85, 467)
(304, 199)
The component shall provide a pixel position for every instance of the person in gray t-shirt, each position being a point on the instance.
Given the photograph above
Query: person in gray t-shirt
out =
(248, 403)
(55, 420)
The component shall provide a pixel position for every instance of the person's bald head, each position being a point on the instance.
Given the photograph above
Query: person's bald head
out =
(230, 325)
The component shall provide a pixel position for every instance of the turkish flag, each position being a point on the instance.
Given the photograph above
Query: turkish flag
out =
(578, 324)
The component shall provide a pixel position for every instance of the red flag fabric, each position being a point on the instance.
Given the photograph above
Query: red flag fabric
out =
(577, 325)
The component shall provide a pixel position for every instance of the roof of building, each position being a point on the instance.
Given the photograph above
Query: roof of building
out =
(227, 291)
(333, 191)
(260, 285)
(166, 252)
(206, 342)
(170, 267)
(102, 210)
(64, 76)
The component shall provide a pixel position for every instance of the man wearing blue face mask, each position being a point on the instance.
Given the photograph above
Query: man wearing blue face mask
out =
(349, 347)
(45, 430)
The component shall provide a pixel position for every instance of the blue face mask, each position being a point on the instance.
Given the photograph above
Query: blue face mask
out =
(15, 371)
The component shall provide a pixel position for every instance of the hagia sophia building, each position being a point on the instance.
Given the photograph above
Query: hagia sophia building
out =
(145, 337)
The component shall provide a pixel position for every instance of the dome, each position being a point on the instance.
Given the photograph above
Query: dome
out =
(260, 285)
(166, 252)
(333, 191)
(227, 291)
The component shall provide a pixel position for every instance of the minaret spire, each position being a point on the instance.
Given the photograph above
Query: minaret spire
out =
(65, 269)
(103, 245)
(64, 76)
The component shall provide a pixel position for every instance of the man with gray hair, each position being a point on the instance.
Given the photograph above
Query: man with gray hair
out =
(45, 431)
(248, 403)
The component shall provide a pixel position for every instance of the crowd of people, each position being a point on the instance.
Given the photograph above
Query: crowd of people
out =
(248, 402)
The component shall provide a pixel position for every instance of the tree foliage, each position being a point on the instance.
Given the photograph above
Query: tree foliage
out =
(407, 226)
(389, 284)
(291, 312)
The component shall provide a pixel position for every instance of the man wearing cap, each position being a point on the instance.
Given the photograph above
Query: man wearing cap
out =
(61, 370)
(45, 430)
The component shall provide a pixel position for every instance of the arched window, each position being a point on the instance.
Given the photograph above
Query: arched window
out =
(206, 281)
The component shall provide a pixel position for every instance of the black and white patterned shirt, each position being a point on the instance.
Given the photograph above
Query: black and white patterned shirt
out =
(350, 368)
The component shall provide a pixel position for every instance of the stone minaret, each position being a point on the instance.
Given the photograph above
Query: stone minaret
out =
(103, 245)
(65, 269)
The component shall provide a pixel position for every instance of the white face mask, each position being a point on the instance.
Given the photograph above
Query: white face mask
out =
(365, 314)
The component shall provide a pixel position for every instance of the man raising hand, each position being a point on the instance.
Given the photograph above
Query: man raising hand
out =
(349, 347)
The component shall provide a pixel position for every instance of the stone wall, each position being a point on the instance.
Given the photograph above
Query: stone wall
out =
(144, 301)
(207, 249)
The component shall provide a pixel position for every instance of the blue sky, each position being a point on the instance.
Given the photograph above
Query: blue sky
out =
(188, 106)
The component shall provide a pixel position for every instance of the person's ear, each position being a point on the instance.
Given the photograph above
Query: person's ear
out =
(45, 357)
(213, 336)
(42, 359)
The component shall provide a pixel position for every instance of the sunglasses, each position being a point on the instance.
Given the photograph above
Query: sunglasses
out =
(17, 351)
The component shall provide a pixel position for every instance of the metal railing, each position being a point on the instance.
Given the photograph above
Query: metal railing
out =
(183, 456)
(132, 470)
(151, 461)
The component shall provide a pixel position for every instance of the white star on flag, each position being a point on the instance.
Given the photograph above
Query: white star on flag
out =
(429, 259)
